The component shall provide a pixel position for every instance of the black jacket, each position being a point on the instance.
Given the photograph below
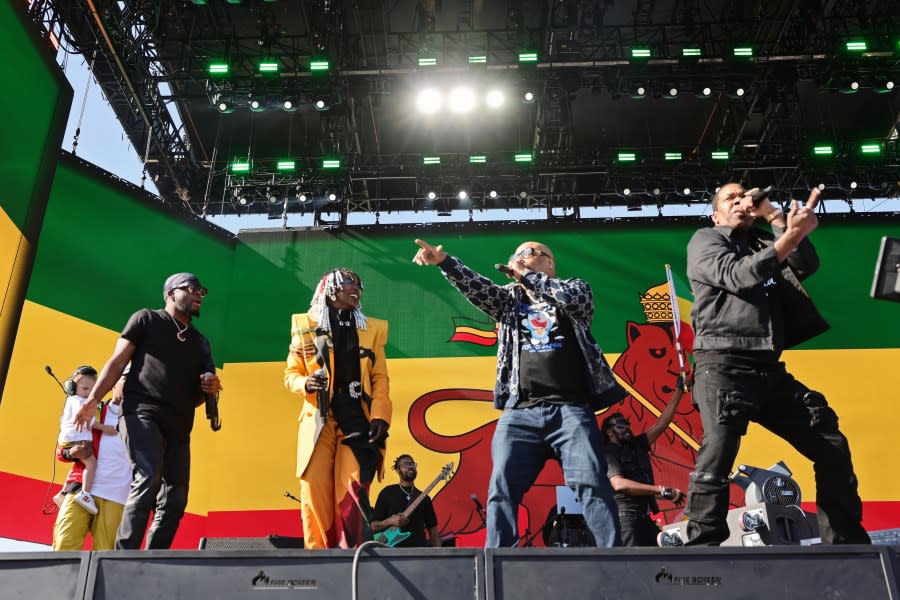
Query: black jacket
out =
(727, 269)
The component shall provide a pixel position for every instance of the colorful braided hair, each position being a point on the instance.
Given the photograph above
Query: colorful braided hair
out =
(327, 290)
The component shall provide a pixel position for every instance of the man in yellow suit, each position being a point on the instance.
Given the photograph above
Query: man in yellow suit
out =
(337, 365)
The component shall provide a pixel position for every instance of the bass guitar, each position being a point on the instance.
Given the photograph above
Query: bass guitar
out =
(394, 535)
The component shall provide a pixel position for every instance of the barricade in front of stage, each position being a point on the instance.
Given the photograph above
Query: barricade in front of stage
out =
(817, 572)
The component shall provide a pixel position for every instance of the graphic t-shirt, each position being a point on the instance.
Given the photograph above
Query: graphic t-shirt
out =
(551, 366)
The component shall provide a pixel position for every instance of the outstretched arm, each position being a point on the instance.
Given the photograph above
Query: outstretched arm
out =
(483, 293)
(636, 488)
(667, 415)
(107, 378)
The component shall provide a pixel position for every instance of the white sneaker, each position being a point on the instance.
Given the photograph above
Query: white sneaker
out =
(86, 502)
(58, 498)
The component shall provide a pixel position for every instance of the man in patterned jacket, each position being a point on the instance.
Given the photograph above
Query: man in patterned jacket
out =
(551, 377)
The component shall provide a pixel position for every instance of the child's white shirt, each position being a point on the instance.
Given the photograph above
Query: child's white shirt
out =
(67, 431)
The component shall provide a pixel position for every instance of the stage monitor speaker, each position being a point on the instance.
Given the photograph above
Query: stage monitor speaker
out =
(696, 573)
(270, 542)
(383, 573)
(770, 524)
(886, 283)
(43, 574)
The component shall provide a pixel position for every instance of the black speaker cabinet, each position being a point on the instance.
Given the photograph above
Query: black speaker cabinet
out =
(43, 574)
(381, 573)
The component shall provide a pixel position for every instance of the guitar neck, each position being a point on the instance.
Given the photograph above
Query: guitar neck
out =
(415, 503)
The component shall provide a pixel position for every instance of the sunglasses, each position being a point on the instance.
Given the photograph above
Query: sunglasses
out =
(193, 290)
(621, 424)
(528, 253)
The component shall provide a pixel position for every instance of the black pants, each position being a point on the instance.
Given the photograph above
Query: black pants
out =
(638, 529)
(730, 396)
(161, 464)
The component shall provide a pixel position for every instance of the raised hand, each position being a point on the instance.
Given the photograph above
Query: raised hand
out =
(803, 219)
(428, 254)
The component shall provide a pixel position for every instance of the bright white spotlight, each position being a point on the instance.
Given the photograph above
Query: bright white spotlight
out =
(462, 195)
(739, 92)
(656, 191)
(523, 194)
(494, 99)
(821, 187)
(853, 185)
(428, 101)
(687, 191)
(302, 197)
(626, 192)
(493, 194)
(242, 200)
(461, 100)
(332, 197)
(432, 195)
(854, 85)
(320, 104)
(528, 96)
(707, 91)
(673, 91)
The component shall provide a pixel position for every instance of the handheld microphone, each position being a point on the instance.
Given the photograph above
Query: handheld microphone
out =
(758, 195)
(504, 269)
(58, 382)
(212, 408)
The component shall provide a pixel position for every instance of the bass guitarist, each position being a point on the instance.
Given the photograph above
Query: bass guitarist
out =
(394, 500)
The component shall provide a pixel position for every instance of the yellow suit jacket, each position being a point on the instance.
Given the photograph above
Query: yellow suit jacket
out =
(301, 362)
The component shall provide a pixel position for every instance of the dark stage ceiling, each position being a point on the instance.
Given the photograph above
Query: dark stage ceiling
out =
(153, 58)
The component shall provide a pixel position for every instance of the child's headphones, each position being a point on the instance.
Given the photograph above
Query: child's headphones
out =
(69, 384)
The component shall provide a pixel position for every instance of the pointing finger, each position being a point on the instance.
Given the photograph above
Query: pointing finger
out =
(814, 196)
(424, 245)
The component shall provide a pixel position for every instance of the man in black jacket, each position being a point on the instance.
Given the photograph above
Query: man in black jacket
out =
(748, 306)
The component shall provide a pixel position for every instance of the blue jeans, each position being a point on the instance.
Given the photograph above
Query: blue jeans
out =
(523, 440)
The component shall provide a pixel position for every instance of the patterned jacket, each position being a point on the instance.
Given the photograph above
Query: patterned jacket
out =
(571, 296)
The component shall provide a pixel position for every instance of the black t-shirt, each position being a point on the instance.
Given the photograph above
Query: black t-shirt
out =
(551, 365)
(165, 372)
(632, 461)
(393, 500)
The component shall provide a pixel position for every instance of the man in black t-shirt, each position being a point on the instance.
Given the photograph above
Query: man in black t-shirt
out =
(172, 372)
(395, 499)
(551, 378)
(630, 473)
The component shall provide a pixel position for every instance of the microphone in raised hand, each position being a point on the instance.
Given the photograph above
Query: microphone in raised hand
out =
(505, 270)
(757, 195)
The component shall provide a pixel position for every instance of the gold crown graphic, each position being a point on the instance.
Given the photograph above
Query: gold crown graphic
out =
(657, 304)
